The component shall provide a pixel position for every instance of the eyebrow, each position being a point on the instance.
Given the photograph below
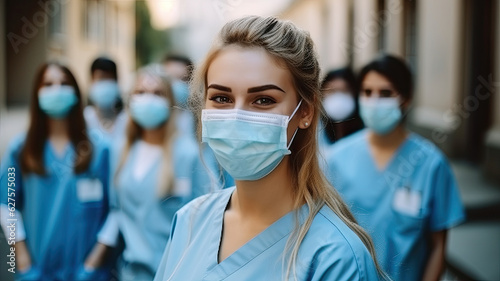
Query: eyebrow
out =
(264, 88)
(219, 87)
(250, 90)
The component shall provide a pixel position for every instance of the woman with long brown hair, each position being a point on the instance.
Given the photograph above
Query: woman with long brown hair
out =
(54, 180)
(259, 97)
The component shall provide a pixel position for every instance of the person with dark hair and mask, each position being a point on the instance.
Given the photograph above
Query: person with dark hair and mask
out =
(399, 185)
(104, 115)
(340, 105)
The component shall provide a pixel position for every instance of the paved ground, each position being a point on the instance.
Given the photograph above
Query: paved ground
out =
(473, 247)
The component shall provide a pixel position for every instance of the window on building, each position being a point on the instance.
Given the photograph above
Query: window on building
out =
(410, 33)
(56, 17)
(381, 13)
(94, 12)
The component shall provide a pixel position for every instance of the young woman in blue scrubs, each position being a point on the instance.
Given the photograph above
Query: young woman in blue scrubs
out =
(155, 172)
(400, 186)
(58, 183)
(259, 87)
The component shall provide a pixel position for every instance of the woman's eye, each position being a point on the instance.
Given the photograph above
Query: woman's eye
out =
(264, 101)
(367, 92)
(47, 84)
(385, 93)
(220, 99)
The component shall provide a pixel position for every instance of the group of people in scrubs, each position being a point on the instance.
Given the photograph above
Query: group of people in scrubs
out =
(249, 197)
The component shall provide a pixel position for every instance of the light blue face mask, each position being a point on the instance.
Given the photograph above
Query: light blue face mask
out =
(57, 100)
(181, 92)
(104, 93)
(381, 115)
(150, 111)
(248, 145)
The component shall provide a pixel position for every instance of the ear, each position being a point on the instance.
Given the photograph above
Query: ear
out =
(306, 115)
(405, 105)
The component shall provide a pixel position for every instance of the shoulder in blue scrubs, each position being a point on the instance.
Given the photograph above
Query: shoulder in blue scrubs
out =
(145, 218)
(62, 211)
(415, 195)
(329, 251)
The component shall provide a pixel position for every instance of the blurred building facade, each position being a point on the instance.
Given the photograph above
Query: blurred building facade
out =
(71, 32)
(453, 48)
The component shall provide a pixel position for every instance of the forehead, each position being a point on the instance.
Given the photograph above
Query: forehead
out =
(337, 84)
(100, 74)
(149, 81)
(54, 73)
(246, 67)
(374, 79)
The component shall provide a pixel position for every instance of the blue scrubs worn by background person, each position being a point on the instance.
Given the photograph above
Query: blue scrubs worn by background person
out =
(399, 186)
(399, 206)
(282, 220)
(155, 173)
(61, 211)
(60, 195)
(105, 117)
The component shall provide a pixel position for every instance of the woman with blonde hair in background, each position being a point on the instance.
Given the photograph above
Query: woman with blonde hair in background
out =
(154, 173)
(259, 98)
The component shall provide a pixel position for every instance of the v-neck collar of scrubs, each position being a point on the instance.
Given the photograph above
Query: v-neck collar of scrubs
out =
(59, 155)
(277, 231)
(394, 156)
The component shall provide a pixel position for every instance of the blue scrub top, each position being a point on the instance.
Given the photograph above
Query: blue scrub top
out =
(400, 206)
(62, 211)
(329, 251)
(97, 131)
(144, 218)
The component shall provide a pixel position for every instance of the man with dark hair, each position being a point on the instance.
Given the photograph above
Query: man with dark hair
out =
(178, 66)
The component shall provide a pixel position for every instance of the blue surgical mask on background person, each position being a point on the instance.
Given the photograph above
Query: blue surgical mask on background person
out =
(339, 105)
(104, 93)
(248, 145)
(181, 92)
(149, 110)
(57, 100)
(381, 115)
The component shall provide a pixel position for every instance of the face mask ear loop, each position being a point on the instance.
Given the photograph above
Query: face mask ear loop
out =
(290, 144)
(290, 118)
(295, 111)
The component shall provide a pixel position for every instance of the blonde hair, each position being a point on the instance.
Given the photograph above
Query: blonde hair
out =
(295, 49)
(134, 132)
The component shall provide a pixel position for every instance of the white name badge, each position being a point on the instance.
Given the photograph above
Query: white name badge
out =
(89, 190)
(407, 201)
(182, 187)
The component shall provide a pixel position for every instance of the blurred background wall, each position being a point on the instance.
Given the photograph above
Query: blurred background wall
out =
(73, 32)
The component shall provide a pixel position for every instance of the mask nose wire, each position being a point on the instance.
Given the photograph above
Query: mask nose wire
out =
(290, 118)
